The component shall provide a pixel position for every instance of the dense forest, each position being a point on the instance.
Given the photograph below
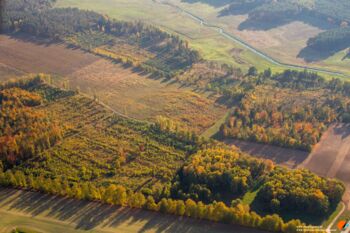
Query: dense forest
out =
(289, 109)
(171, 53)
(314, 195)
(24, 129)
(225, 175)
(102, 156)
(219, 174)
(330, 41)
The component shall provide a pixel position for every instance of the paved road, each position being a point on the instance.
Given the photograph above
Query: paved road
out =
(251, 48)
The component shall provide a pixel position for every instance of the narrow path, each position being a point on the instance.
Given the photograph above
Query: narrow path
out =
(329, 228)
(251, 48)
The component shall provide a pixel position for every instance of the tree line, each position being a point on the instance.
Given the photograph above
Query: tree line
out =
(331, 41)
(238, 214)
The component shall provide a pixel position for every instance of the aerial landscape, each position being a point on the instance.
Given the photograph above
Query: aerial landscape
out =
(188, 116)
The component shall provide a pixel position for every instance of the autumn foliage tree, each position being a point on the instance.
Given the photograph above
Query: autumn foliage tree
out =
(25, 130)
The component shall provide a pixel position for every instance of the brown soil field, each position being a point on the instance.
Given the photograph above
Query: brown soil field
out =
(45, 213)
(7, 72)
(35, 57)
(282, 156)
(331, 157)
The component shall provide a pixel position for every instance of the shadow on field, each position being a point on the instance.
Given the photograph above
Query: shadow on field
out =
(33, 39)
(214, 3)
(89, 215)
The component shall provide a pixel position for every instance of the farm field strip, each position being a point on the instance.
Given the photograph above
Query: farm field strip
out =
(282, 156)
(331, 156)
(53, 214)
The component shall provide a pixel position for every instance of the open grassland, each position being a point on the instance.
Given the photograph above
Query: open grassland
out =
(50, 214)
(208, 42)
(124, 89)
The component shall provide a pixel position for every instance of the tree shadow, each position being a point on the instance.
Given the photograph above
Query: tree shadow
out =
(240, 8)
(310, 54)
(266, 21)
(24, 37)
(88, 215)
(214, 3)
(283, 18)
(261, 208)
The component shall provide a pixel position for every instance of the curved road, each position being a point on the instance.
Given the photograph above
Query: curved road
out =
(251, 48)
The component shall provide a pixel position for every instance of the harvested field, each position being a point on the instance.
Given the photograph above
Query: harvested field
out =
(331, 157)
(41, 57)
(45, 213)
(282, 156)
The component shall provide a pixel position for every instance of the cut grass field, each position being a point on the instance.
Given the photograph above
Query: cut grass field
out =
(51, 214)
(130, 92)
